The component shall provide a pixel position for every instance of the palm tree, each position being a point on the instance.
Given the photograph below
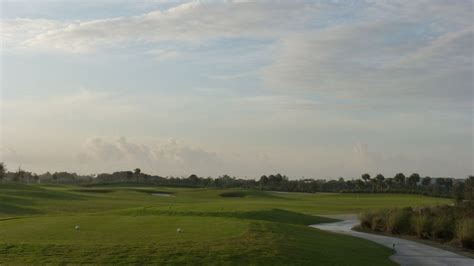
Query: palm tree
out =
(365, 177)
(136, 173)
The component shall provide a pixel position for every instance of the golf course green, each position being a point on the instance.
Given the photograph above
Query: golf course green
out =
(138, 224)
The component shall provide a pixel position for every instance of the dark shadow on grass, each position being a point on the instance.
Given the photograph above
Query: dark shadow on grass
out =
(92, 190)
(273, 215)
(283, 216)
(43, 194)
(151, 191)
(233, 194)
(251, 193)
(10, 209)
(16, 200)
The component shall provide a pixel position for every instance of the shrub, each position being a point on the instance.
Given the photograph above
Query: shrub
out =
(465, 232)
(443, 227)
(398, 221)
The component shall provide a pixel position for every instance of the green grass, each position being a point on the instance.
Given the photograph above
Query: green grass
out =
(127, 225)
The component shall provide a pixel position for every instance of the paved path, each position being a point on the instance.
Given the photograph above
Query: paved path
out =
(407, 252)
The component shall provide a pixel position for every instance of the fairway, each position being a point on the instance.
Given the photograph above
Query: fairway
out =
(127, 224)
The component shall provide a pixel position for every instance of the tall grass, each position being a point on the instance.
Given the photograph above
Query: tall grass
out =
(443, 228)
(465, 232)
(422, 224)
(441, 223)
(398, 221)
(365, 219)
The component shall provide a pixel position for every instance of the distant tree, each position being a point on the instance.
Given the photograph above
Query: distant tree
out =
(19, 175)
(129, 175)
(444, 182)
(136, 173)
(448, 183)
(365, 177)
(399, 179)
(3, 171)
(469, 188)
(458, 192)
(379, 178)
(439, 181)
(359, 184)
(55, 177)
(35, 178)
(413, 179)
(389, 182)
(193, 180)
(426, 181)
(342, 183)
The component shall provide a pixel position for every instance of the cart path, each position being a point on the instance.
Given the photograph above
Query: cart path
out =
(406, 252)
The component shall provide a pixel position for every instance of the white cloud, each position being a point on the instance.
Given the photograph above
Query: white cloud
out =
(192, 22)
(389, 163)
(376, 60)
(166, 157)
(163, 55)
(83, 105)
(357, 65)
(9, 154)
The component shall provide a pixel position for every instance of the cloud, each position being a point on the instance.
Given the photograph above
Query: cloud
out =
(163, 55)
(375, 61)
(190, 22)
(68, 109)
(389, 163)
(169, 157)
(9, 154)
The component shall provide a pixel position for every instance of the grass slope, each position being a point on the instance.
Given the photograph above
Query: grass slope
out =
(127, 225)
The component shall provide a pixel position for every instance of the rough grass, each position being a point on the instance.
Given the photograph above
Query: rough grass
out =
(465, 232)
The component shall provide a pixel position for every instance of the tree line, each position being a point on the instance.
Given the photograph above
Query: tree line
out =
(460, 189)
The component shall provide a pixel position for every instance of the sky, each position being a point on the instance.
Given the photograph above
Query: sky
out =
(314, 89)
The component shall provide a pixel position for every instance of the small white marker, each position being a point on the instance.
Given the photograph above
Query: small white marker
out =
(77, 227)
(178, 230)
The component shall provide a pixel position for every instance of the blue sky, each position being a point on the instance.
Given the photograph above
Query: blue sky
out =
(318, 89)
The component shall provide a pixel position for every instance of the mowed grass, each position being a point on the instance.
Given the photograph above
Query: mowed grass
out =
(127, 225)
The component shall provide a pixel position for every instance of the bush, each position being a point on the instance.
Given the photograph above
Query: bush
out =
(398, 221)
(443, 227)
(465, 232)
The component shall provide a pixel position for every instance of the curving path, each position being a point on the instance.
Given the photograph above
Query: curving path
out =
(406, 252)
